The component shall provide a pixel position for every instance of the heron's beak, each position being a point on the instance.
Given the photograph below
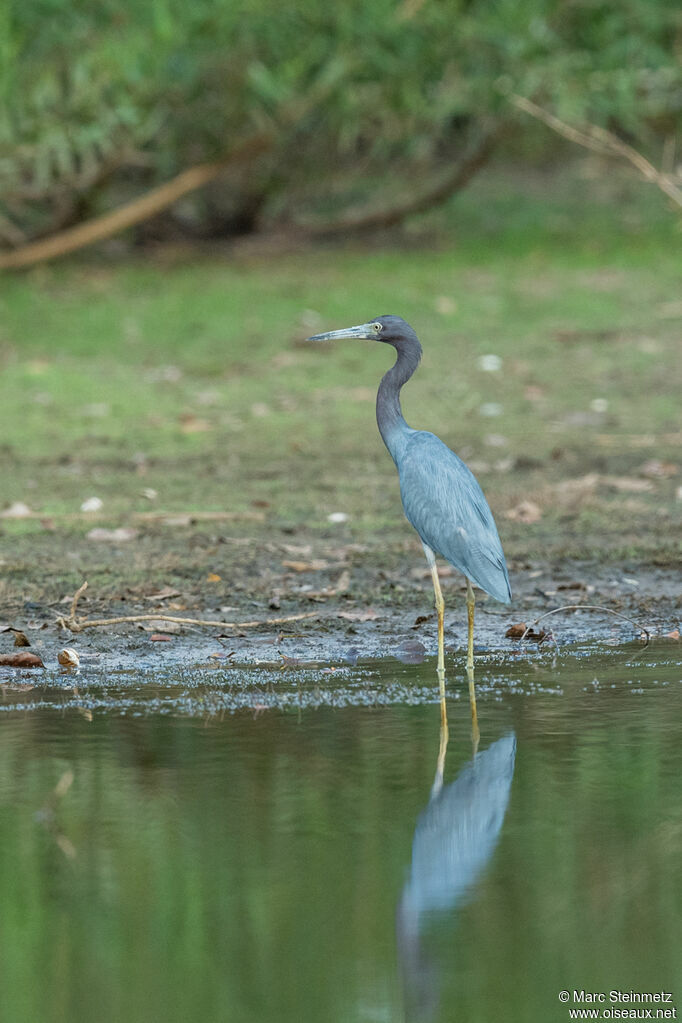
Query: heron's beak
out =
(363, 332)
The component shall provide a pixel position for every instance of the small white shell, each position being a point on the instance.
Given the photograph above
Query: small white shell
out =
(490, 363)
(93, 504)
(68, 658)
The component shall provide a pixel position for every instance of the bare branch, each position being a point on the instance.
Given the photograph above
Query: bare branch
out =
(589, 607)
(604, 142)
(75, 624)
(134, 212)
(373, 219)
(160, 198)
(78, 624)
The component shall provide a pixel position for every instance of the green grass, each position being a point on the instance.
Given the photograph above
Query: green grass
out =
(188, 374)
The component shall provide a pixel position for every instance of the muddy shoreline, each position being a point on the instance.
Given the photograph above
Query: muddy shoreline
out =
(345, 628)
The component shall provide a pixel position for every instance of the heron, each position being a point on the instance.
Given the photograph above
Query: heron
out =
(455, 837)
(441, 497)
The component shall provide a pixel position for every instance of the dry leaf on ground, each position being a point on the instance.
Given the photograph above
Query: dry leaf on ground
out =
(368, 615)
(20, 638)
(445, 305)
(571, 336)
(306, 566)
(521, 630)
(192, 424)
(163, 594)
(526, 512)
(342, 583)
(578, 485)
(302, 550)
(18, 510)
(120, 535)
(444, 572)
(655, 469)
(628, 484)
(24, 659)
(342, 586)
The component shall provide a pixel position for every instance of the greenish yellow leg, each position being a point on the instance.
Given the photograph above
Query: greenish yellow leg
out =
(440, 608)
(471, 603)
(475, 732)
(442, 750)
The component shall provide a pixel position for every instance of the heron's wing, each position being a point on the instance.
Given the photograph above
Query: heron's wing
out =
(458, 831)
(445, 504)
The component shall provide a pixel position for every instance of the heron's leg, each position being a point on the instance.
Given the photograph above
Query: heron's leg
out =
(471, 603)
(440, 609)
(442, 750)
(475, 732)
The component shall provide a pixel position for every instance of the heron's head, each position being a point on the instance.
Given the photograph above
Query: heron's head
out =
(392, 330)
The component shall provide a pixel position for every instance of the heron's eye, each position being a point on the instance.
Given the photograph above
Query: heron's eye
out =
(377, 328)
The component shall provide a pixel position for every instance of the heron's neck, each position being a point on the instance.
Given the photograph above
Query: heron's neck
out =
(392, 426)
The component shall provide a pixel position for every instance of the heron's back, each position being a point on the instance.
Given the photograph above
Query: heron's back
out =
(445, 504)
(457, 832)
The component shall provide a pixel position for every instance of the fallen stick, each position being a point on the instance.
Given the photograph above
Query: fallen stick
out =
(79, 624)
(199, 516)
(604, 142)
(75, 624)
(589, 607)
(157, 516)
(140, 209)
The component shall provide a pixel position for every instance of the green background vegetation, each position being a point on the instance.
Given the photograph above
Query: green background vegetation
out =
(192, 377)
(184, 370)
(100, 100)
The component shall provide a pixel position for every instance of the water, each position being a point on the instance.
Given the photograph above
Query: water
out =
(164, 856)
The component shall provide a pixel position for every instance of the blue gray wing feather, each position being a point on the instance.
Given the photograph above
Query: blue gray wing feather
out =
(445, 504)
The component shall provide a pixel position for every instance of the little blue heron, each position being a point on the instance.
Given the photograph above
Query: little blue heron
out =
(454, 841)
(441, 496)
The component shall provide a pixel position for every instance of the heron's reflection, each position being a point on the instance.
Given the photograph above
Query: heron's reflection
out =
(455, 837)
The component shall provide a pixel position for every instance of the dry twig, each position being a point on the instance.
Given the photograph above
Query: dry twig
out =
(134, 212)
(434, 194)
(76, 624)
(163, 196)
(606, 143)
(589, 607)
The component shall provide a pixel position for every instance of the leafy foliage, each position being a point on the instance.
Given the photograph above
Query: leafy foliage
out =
(104, 97)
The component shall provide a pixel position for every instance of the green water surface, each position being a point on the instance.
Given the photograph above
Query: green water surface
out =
(298, 864)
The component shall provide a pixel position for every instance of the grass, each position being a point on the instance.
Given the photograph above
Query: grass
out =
(188, 374)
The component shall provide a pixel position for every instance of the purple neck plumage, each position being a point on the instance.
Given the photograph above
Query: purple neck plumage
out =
(392, 426)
